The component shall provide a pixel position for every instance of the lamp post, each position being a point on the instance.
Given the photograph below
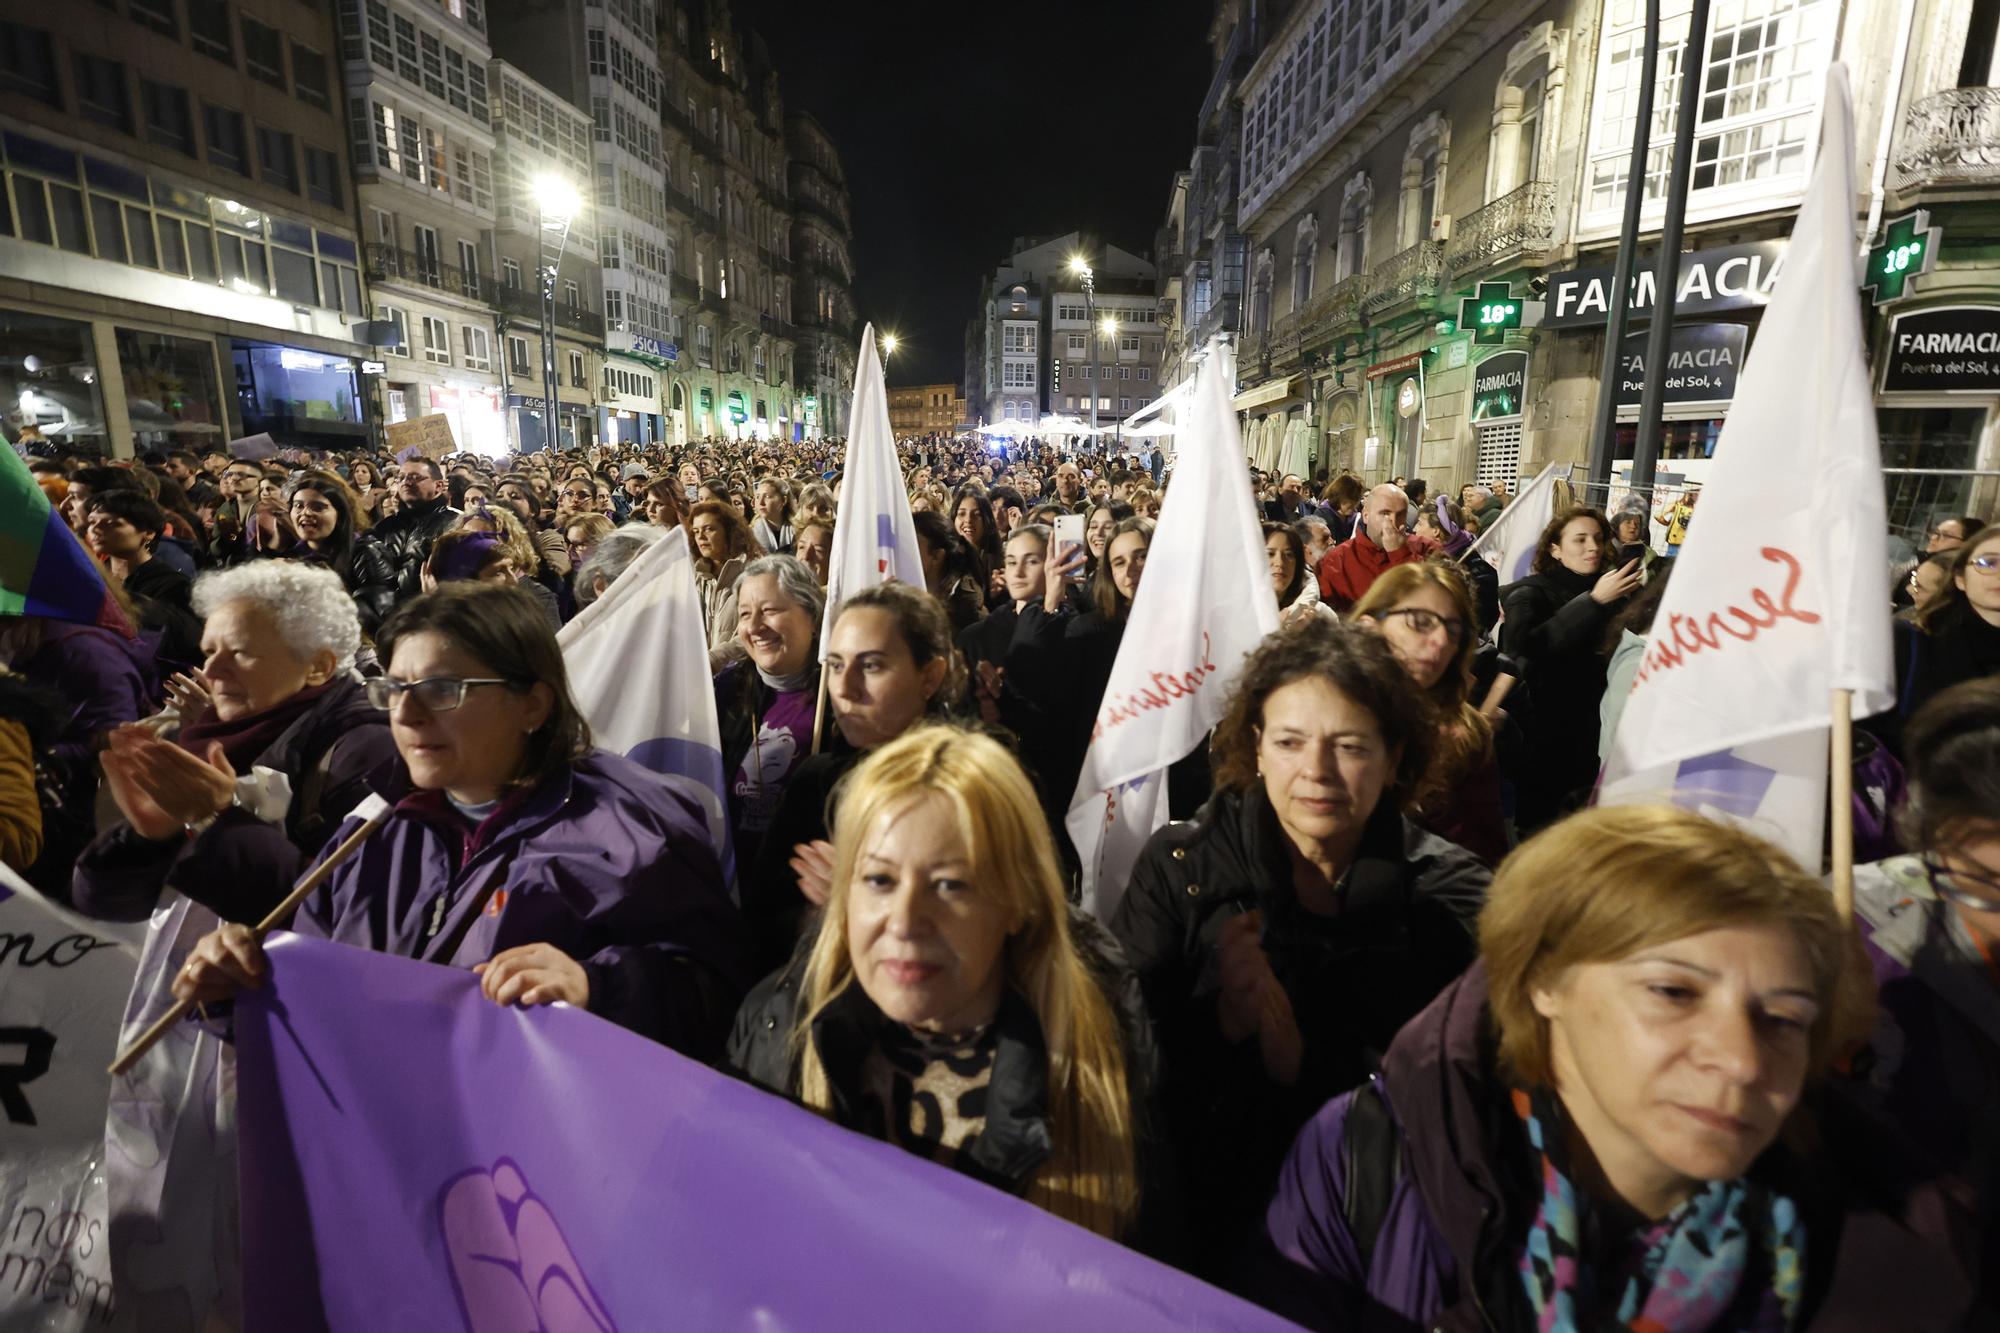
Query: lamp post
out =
(1091, 317)
(1110, 327)
(555, 205)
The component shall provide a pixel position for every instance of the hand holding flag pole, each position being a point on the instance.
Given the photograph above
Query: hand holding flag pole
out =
(313, 878)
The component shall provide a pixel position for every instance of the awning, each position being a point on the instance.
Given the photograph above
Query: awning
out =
(1277, 391)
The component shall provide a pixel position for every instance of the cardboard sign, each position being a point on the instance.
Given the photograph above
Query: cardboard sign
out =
(429, 436)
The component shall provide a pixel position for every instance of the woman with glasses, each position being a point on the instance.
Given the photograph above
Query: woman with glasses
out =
(582, 535)
(272, 747)
(1955, 635)
(1287, 931)
(513, 847)
(323, 515)
(1424, 613)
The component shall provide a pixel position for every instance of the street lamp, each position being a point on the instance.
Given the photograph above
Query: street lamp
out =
(1110, 329)
(888, 345)
(556, 203)
(1082, 270)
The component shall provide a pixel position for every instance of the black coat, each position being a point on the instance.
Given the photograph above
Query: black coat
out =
(1957, 648)
(1016, 1140)
(1555, 630)
(1405, 932)
(328, 754)
(406, 537)
(367, 573)
(777, 912)
(165, 599)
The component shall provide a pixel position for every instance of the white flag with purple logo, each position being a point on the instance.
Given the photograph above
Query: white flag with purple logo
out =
(874, 537)
(1776, 600)
(1510, 541)
(1204, 602)
(637, 659)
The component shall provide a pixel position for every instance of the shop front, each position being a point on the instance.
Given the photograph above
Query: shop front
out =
(576, 423)
(1938, 411)
(628, 402)
(296, 395)
(478, 421)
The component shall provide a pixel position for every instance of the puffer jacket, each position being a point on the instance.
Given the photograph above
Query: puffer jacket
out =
(406, 537)
(718, 598)
(1455, 1193)
(240, 867)
(1016, 1140)
(1404, 932)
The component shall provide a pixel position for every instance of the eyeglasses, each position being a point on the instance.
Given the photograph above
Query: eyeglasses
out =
(1975, 893)
(1985, 564)
(579, 495)
(1429, 622)
(435, 694)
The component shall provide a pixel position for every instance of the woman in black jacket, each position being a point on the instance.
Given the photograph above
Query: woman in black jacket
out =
(764, 702)
(1287, 932)
(1554, 628)
(323, 514)
(1956, 633)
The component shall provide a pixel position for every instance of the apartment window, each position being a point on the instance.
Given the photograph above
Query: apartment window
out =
(28, 63)
(433, 63)
(517, 355)
(593, 42)
(277, 159)
(400, 336)
(1076, 344)
(1124, 372)
(210, 30)
(155, 14)
(406, 51)
(468, 260)
(263, 53)
(309, 77)
(1145, 373)
(571, 294)
(510, 274)
(478, 348)
(1128, 343)
(323, 177)
(100, 92)
(437, 340)
(227, 147)
(1124, 404)
(169, 123)
(576, 377)
(1085, 372)
(1351, 246)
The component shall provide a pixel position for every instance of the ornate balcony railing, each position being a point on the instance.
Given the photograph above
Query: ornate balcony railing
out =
(386, 263)
(525, 305)
(1950, 138)
(1404, 277)
(1522, 221)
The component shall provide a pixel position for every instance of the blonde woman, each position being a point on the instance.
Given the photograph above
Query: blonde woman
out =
(950, 1003)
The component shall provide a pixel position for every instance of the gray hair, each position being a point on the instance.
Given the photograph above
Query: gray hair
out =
(308, 603)
(612, 557)
(795, 580)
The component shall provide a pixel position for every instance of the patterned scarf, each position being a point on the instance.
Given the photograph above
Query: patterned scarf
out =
(1684, 1273)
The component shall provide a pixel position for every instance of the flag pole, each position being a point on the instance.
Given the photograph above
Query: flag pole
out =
(1842, 767)
(317, 876)
(819, 709)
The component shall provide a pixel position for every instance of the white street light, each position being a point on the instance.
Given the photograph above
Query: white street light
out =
(555, 198)
(556, 206)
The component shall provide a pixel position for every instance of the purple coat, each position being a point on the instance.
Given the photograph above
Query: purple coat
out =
(101, 678)
(1460, 1208)
(610, 862)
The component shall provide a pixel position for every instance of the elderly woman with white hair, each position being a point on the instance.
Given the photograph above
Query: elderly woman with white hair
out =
(272, 748)
(612, 556)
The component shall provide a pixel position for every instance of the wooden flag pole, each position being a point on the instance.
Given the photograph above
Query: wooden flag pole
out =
(1841, 765)
(313, 879)
(819, 710)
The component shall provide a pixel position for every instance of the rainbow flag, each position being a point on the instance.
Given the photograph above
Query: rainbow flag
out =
(44, 570)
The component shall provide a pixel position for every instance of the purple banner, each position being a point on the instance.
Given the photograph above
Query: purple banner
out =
(414, 1156)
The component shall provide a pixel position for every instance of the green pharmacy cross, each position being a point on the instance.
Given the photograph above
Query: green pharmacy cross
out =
(1909, 245)
(1490, 312)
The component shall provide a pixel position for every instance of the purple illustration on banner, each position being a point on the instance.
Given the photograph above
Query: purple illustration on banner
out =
(511, 1266)
(1722, 781)
(885, 543)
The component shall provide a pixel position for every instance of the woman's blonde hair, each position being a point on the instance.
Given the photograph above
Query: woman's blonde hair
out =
(515, 543)
(1089, 1177)
(1465, 737)
(1608, 882)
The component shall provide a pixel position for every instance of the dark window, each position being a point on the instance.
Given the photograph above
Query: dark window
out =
(278, 162)
(226, 147)
(155, 14)
(109, 226)
(168, 121)
(263, 52)
(68, 206)
(323, 177)
(309, 76)
(209, 28)
(28, 63)
(100, 92)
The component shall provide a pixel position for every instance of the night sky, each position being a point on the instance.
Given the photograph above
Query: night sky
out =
(957, 136)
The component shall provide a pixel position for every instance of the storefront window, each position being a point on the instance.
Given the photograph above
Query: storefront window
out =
(1678, 439)
(1945, 438)
(297, 396)
(476, 421)
(171, 394)
(49, 396)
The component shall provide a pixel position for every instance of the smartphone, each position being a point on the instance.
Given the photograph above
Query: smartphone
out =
(1068, 538)
(1630, 552)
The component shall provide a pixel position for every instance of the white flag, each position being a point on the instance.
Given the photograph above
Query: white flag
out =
(1510, 542)
(1205, 601)
(638, 668)
(874, 537)
(1776, 600)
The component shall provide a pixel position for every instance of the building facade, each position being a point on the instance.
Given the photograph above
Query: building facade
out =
(822, 251)
(179, 264)
(543, 142)
(1485, 153)
(926, 409)
(419, 118)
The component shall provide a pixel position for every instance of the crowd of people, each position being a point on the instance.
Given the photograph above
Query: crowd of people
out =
(1388, 1029)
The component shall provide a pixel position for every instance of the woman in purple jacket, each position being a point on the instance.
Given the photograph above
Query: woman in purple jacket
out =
(1583, 1132)
(554, 870)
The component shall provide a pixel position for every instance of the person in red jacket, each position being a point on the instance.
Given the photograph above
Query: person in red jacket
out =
(1379, 543)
